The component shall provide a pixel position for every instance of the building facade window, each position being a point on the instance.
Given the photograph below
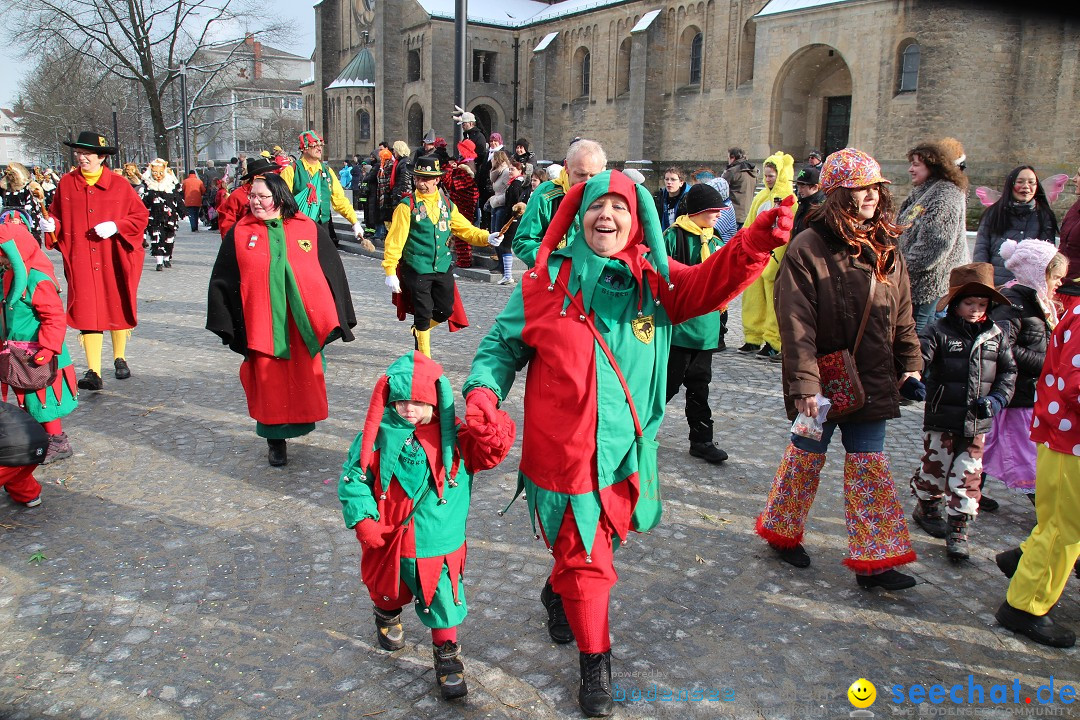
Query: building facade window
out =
(583, 72)
(414, 66)
(909, 68)
(363, 125)
(483, 68)
(695, 60)
(622, 70)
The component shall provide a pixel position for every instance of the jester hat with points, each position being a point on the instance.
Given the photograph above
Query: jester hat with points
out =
(411, 377)
(644, 254)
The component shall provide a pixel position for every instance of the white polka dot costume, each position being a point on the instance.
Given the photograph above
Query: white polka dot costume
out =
(1056, 422)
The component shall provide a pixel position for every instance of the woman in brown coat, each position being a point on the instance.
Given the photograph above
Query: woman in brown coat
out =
(822, 288)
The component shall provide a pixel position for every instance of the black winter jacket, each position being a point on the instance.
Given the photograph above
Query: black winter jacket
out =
(965, 361)
(403, 184)
(1028, 332)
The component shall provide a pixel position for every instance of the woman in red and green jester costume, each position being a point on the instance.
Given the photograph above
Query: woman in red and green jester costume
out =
(278, 295)
(35, 314)
(593, 322)
(405, 488)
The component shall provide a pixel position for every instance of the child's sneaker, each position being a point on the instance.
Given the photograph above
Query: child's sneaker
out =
(59, 448)
(33, 503)
(507, 281)
(390, 632)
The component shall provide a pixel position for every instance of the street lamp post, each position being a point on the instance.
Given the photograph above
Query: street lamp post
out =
(184, 114)
(116, 135)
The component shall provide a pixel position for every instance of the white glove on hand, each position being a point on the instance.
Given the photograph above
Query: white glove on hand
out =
(358, 229)
(495, 239)
(106, 229)
(393, 283)
(47, 225)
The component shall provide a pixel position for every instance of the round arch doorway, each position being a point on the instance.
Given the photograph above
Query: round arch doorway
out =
(811, 106)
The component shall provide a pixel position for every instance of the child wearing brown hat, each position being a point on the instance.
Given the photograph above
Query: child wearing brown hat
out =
(972, 375)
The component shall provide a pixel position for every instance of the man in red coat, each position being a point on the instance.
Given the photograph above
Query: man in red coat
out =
(97, 224)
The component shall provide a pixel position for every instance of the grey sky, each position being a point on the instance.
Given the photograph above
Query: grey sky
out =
(297, 12)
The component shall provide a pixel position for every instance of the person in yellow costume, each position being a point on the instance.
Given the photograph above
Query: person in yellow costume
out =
(760, 330)
(317, 190)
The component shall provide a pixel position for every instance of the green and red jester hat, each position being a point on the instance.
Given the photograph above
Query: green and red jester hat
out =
(418, 378)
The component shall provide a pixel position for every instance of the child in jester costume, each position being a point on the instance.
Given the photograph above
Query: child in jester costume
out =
(418, 253)
(405, 488)
(593, 322)
(35, 314)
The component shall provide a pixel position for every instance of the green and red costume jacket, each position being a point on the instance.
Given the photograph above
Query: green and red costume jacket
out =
(269, 272)
(397, 474)
(578, 442)
(102, 273)
(35, 313)
(541, 208)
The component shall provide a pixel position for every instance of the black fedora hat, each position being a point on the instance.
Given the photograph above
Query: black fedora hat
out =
(428, 166)
(92, 141)
(259, 166)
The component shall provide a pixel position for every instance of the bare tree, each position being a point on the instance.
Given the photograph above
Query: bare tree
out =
(143, 42)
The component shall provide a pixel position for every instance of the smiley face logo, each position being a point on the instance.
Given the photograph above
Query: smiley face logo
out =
(862, 693)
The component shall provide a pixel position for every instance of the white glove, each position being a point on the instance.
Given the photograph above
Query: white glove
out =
(393, 283)
(47, 225)
(494, 239)
(358, 229)
(106, 229)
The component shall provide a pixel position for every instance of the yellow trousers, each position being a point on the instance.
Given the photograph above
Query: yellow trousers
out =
(1051, 550)
(758, 311)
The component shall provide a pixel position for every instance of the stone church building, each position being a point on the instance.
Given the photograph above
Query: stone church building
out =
(682, 81)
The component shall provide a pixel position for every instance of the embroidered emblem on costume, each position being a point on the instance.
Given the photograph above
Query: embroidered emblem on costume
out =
(101, 141)
(251, 242)
(643, 328)
(305, 245)
(442, 226)
(954, 346)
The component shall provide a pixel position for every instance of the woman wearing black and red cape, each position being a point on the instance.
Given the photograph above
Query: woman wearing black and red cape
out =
(278, 295)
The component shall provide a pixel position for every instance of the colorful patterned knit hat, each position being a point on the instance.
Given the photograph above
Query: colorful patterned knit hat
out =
(309, 138)
(850, 168)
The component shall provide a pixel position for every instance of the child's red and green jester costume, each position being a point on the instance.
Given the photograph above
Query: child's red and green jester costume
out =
(581, 464)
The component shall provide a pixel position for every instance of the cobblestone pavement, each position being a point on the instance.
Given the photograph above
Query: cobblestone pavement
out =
(170, 573)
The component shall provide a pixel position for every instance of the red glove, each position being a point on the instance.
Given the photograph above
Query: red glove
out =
(44, 356)
(777, 221)
(370, 534)
(488, 433)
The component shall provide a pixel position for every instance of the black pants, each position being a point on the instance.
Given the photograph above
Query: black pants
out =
(329, 225)
(432, 295)
(692, 369)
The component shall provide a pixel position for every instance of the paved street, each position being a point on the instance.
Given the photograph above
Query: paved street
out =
(170, 573)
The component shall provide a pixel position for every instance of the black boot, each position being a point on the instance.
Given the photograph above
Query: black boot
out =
(927, 515)
(888, 580)
(278, 454)
(1039, 628)
(557, 624)
(1008, 561)
(450, 671)
(388, 626)
(708, 451)
(594, 696)
(956, 544)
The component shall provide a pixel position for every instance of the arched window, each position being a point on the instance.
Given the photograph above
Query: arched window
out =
(908, 64)
(695, 60)
(688, 64)
(746, 52)
(583, 72)
(622, 68)
(363, 125)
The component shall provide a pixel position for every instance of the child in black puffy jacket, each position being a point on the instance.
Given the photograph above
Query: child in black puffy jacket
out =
(971, 376)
